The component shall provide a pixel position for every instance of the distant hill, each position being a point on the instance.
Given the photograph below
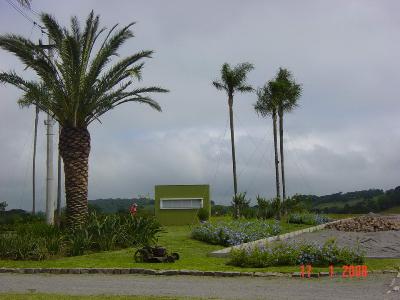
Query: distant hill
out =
(112, 205)
(372, 200)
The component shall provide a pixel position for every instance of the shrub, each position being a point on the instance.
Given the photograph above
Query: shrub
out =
(22, 247)
(264, 210)
(103, 233)
(281, 254)
(203, 214)
(234, 232)
(239, 204)
(78, 241)
(307, 218)
(140, 231)
(37, 241)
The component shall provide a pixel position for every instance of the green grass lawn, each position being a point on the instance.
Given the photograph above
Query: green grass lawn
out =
(177, 239)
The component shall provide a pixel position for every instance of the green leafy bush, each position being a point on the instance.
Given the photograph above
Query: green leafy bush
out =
(281, 254)
(203, 214)
(234, 232)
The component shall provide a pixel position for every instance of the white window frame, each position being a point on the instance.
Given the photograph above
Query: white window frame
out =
(198, 198)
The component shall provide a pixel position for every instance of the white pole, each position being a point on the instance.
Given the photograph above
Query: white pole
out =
(50, 177)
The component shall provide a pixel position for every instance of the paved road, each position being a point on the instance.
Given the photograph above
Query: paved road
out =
(372, 287)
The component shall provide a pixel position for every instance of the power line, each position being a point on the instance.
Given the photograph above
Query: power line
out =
(29, 19)
(220, 154)
(298, 164)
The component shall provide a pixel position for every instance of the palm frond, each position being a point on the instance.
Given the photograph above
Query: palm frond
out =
(245, 88)
(219, 85)
(234, 79)
(74, 86)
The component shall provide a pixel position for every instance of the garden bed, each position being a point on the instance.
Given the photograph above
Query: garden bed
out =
(193, 256)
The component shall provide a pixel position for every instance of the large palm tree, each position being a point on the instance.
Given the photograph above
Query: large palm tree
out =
(77, 88)
(233, 80)
(288, 93)
(267, 105)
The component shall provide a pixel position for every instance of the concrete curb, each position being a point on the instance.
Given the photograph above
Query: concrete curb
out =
(124, 271)
(225, 252)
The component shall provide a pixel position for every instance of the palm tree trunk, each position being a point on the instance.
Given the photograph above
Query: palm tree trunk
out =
(34, 162)
(230, 102)
(278, 192)
(74, 147)
(281, 151)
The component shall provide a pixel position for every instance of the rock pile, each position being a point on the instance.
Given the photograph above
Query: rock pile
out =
(367, 224)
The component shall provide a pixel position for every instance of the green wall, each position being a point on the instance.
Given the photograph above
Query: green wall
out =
(180, 216)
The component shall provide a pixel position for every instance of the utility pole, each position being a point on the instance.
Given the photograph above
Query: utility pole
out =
(49, 177)
(59, 181)
(34, 162)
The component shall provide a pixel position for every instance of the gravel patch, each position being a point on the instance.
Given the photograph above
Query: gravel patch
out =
(380, 244)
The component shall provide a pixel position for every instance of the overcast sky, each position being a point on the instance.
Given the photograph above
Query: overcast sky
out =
(344, 136)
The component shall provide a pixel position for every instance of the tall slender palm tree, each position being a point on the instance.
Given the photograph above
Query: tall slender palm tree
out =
(77, 88)
(288, 93)
(233, 80)
(267, 105)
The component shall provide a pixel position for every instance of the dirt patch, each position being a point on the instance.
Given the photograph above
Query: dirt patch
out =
(375, 243)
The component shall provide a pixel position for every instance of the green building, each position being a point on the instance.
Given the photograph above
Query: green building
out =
(179, 204)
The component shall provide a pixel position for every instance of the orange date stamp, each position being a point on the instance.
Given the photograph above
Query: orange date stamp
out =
(348, 271)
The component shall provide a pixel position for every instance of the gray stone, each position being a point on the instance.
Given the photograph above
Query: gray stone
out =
(251, 274)
(209, 273)
(269, 274)
(93, 271)
(149, 272)
(136, 270)
(168, 272)
(227, 274)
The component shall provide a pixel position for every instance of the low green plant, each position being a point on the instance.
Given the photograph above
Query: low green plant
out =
(203, 214)
(285, 254)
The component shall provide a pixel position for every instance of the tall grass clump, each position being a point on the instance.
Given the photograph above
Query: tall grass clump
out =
(38, 241)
